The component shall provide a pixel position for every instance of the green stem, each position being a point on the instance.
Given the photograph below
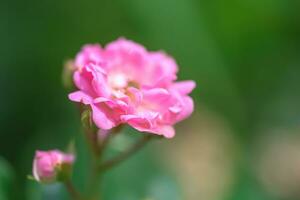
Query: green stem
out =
(97, 150)
(90, 131)
(94, 192)
(91, 136)
(126, 154)
(95, 173)
(113, 132)
(75, 195)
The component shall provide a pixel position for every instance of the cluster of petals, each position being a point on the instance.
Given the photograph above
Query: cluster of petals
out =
(47, 164)
(123, 83)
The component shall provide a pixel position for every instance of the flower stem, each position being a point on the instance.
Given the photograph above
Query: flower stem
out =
(105, 141)
(75, 195)
(91, 136)
(126, 154)
(94, 186)
(97, 149)
(90, 132)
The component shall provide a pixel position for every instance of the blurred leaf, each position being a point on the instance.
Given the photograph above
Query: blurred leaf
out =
(37, 191)
(6, 180)
(244, 56)
(163, 187)
(33, 190)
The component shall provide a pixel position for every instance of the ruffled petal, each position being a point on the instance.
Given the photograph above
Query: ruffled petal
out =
(90, 53)
(81, 97)
(101, 119)
(184, 87)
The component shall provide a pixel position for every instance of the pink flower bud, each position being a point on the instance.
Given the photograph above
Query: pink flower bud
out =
(49, 166)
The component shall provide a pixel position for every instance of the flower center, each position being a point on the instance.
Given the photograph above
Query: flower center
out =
(117, 80)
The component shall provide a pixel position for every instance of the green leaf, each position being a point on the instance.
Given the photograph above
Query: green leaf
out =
(33, 190)
(6, 179)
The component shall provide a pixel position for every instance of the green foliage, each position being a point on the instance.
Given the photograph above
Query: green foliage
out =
(244, 56)
(6, 180)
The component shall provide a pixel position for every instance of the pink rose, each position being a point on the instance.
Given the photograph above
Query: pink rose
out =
(48, 164)
(124, 83)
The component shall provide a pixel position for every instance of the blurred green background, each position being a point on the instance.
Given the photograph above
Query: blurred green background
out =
(243, 140)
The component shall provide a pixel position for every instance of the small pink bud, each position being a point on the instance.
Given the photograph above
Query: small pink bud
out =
(53, 165)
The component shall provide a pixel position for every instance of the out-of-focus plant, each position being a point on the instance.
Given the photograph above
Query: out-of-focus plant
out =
(121, 84)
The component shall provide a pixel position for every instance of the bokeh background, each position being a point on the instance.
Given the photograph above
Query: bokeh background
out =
(243, 140)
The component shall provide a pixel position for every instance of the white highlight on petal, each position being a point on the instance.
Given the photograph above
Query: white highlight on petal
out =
(117, 80)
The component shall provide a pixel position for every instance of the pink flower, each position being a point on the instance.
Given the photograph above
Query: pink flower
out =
(48, 164)
(124, 83)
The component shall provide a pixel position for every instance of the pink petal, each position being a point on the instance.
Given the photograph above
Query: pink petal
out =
(81, 97)
(167, 131)
(91, 53)
(101, 119)
(123, 45)
(137, 122)
(188, 108)
(156, 95)
(184, 87)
